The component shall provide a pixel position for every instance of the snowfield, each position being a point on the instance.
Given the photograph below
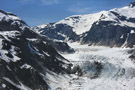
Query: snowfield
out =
(117, 72)
(83, 23)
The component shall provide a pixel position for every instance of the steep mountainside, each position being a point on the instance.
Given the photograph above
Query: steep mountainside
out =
(120, 31)
(110, 28)
(26, 57)
(54, 31)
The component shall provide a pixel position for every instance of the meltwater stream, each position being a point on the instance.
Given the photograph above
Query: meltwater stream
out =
(103, 68)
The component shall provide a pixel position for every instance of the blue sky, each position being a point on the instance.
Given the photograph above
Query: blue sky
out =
(36, 12)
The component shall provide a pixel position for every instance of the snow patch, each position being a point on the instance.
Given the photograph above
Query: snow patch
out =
(32, 39)
(132, 31)
(4, 85)
(121, 36)
(21, 86)
(46, 54)
(42, 26)
(26, 66)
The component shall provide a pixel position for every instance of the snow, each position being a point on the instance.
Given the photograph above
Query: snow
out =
(56, 81)
(42, 26)
(121, 37)
(132, 31)
(3, 52)
(61, 34)
(21, 86)
(13, 52)
(4, 85)
(32, 39)
(15, 19)
(123, 23)
(33, 50)
(26, 66)
(46, 54)
(126, 11)
(83, 23)
(44, 42)
(118, 72)
(7, 35)
(8, 68)
(7, 17)
(125, 41)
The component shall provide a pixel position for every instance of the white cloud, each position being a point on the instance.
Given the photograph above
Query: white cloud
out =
(49, 2)
(79, 10)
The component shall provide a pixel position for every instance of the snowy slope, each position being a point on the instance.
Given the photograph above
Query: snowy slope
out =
(15, 20)
(102, 28)
(83, 23)
(26, 57)
(127, 11)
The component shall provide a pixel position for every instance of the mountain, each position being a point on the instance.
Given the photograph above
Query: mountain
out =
(115, 28)
(108, 28)
(27, 58)
(60, 32)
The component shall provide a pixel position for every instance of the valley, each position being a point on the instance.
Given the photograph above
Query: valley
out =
(117, 73)
(81, 52)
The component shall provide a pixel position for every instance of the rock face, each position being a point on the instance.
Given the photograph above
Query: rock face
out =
(132, 4)
(106, 34)
(120, 31)
(25, 56)
(108, 28)
(62, 32)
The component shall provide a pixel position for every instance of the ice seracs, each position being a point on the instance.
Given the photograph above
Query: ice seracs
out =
(116, 73)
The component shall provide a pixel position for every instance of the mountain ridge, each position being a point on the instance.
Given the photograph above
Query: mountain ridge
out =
(26, 58)
(80, 25)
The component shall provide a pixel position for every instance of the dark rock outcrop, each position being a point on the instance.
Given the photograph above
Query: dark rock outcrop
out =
(105, 33)
(59, 32)
(26, 57)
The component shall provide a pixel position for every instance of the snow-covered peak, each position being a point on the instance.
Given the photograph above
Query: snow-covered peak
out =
(81, 23)
(126, 11)
(12, 19)
(7, 15)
